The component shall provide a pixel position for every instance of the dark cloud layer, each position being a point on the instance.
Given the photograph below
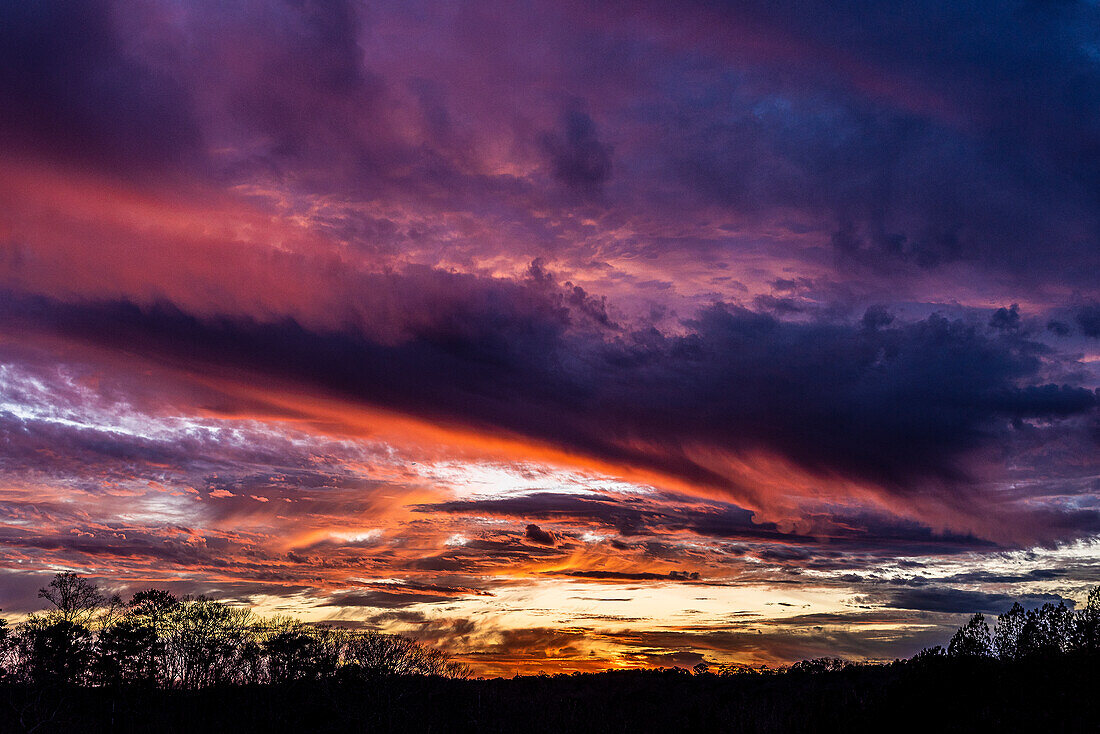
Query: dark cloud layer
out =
(929, 133)
(537, 535)
(1088, 319)
(894, 406)
(71, 85)
(957, 601)
(578, 158)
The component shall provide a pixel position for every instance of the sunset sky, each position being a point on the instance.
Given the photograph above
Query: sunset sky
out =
(562, 335)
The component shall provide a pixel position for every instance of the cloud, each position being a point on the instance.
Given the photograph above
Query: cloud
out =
(881, 127)
(660, 516)
(577, 157)
(398, 596)
(900, 407)
(957, 601)
(599, 575)
(1088, 320)
(1007, 319)
(875, 136)
(73, 87)
(537, 535)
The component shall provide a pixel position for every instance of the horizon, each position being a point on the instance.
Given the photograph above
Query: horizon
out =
(560, 337)
(84, 636)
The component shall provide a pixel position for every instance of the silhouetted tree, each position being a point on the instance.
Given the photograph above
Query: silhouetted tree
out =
(1006, 633)
(154, 604)
(929, 655)
(57, 652)
(194, 643)
(154, 608)
(112, 610)
(371, 654)
(818, 665)
(129, 653)
(1047, 631)
(434, 661)
(7, 650)
(1087, 624)
(158, 639)
(296, 654)
(206, 643)
(972, 640)
(76, 599)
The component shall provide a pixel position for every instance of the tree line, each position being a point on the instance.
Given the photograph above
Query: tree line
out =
(1052, 630)
(159, 640)
(1043, 633)
(1046, 632)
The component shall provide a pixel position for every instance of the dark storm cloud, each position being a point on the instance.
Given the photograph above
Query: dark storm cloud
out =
(72, 86)
(894, 405)
(928, 132)
(957, 601)
(537, 535)
(1088, 320)
(165, 90)
(306, 99)
(577, 157)
(1007, 319)
(1058, 328)
(71, 75)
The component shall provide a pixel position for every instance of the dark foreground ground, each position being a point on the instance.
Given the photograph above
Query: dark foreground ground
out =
(1038, 696)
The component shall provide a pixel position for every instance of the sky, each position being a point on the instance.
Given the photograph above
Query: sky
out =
(562, 335)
